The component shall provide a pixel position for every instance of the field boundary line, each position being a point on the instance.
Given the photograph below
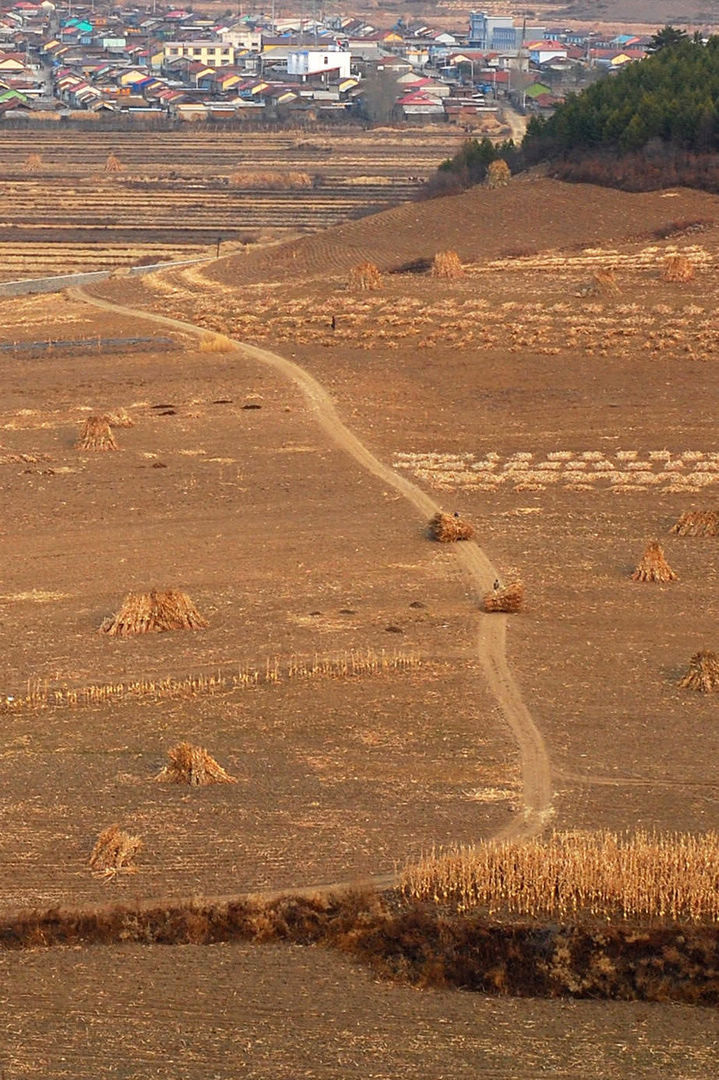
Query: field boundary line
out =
(536, 791)
(59, 282)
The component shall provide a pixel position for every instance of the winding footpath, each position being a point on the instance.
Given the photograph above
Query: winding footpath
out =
(536, 794)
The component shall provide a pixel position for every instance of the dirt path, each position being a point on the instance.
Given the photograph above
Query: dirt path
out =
(491, 642)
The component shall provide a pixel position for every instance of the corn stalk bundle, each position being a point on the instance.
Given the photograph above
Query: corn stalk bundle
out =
(33, 162)
(446, 264)
(703, 674)
(677, 268)
(114, 850)
(604, 282)
(653, 566)
(96, 435)
(365, 276)
(154, 612)
(113, 164)
(192, 765)
(697, 523)
(508, 599)
(498, 174)
(447, 529)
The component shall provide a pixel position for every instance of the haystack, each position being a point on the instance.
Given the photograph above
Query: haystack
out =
(446, 528)
(677, 268)
(119, 418)
(697, 523)
(447, 264)
(498, 174)
(507, 598)
(603, 283)
(703, 674)
(33, 162)
(653, 565)
(192, 765)
(114, 850)
(96, 435)
(365, 276)
(113, 163)
(154, 613)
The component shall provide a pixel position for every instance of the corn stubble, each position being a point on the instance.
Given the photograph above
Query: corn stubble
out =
(644, 875)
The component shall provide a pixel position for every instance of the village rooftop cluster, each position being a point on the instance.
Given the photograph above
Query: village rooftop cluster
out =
(85, 62)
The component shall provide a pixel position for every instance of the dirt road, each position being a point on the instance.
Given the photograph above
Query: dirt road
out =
(491, 643)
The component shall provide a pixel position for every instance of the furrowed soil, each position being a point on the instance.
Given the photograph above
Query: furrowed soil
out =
(560, 396)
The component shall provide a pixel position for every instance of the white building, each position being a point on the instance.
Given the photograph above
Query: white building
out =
(304, 63)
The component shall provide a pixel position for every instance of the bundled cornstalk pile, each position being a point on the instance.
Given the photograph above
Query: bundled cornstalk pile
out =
(119, 418)
(507, 598)
(677, 268)
(447, 264)
(365, 276)
(192, 765)
(446, 528)
(703, 674)
(653, 566)
(603, 283)
(96, 435)
(498, 174)
(697, 523)
(644, 875)
(153, 613)
(113, 164)
(114, 850)
(33, 162)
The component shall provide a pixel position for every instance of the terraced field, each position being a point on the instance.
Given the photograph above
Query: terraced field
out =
(174, 194)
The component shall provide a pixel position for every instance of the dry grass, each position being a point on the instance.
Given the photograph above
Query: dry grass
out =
(447, 264)
(274, 181)
(216, 343)
(653, 566)
(643, 875)
(120, 418)
(677, 268)
(703, 674)
(114, 850)
(448, 528)
(365, 277)
(697, 523)
(192, 765)
(507, 599)
(154, 612)
(96, 435)
(498, 175)
(113, 164)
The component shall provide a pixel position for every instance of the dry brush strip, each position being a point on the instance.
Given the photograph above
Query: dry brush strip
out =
(697, 523)
(703, 674)
(653, 566)
(448, 528)
(114, 850)
(96, 435)
(193, 765)
(506, 599)
(154, 612)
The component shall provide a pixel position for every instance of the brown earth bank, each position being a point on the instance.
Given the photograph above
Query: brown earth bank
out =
(287, 1011)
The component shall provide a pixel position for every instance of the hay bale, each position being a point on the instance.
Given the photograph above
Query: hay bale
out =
(114, 850)
(507, 598)
(677, 268)
(365, 276)
(447, 528)
(703, 674)
(119, 418)
(447, 264)
(192, 765)
(154, 613)
(113, 163)
(96, 435)
(653, 566)
(697, 523)
(498, 174)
